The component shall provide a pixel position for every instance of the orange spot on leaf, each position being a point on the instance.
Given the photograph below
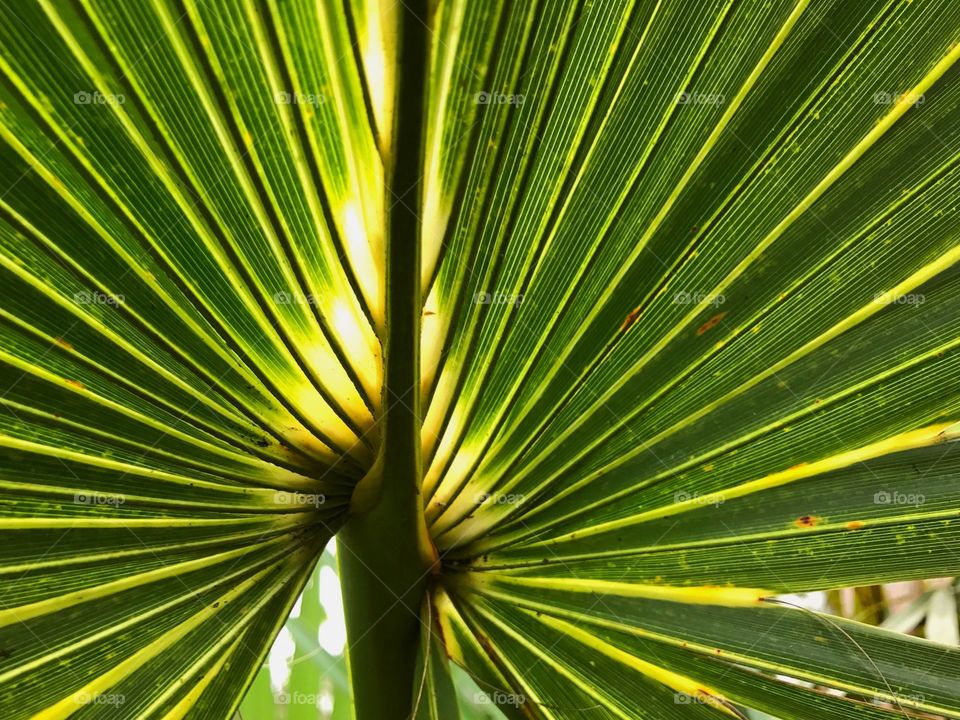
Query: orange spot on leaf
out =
(64, 344)
(631, 319)
(711, 323)
(854, 525)
(76, 384)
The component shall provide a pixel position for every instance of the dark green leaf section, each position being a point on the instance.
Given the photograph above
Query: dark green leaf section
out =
(693, 328)
(767, 252)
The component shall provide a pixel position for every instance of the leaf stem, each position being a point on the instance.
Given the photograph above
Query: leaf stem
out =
(384, 556)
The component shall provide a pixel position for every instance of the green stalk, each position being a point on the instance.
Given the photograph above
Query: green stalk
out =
(383, 552)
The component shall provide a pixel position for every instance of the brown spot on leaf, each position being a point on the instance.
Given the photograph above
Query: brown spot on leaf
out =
(64, 344)
(807, 521)
(428, 313)
(484, 642)
(631, 319)
(711, 323)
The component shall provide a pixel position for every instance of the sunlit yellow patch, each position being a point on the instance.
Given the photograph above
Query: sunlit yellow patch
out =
(375, 65)
(446, 613)
(360, 345)
(433, 425)
(374, 62)
(297, 436)
(356, 233)
(433, 225)
(346, 324)
(462, 464)
(312, 406)
(365, 255)
(431, 342)
(701, 595)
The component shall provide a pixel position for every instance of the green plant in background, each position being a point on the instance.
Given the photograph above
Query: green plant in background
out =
(589, 328)
(317, 678)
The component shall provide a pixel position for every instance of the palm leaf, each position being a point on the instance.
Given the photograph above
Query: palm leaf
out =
(588, 328)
